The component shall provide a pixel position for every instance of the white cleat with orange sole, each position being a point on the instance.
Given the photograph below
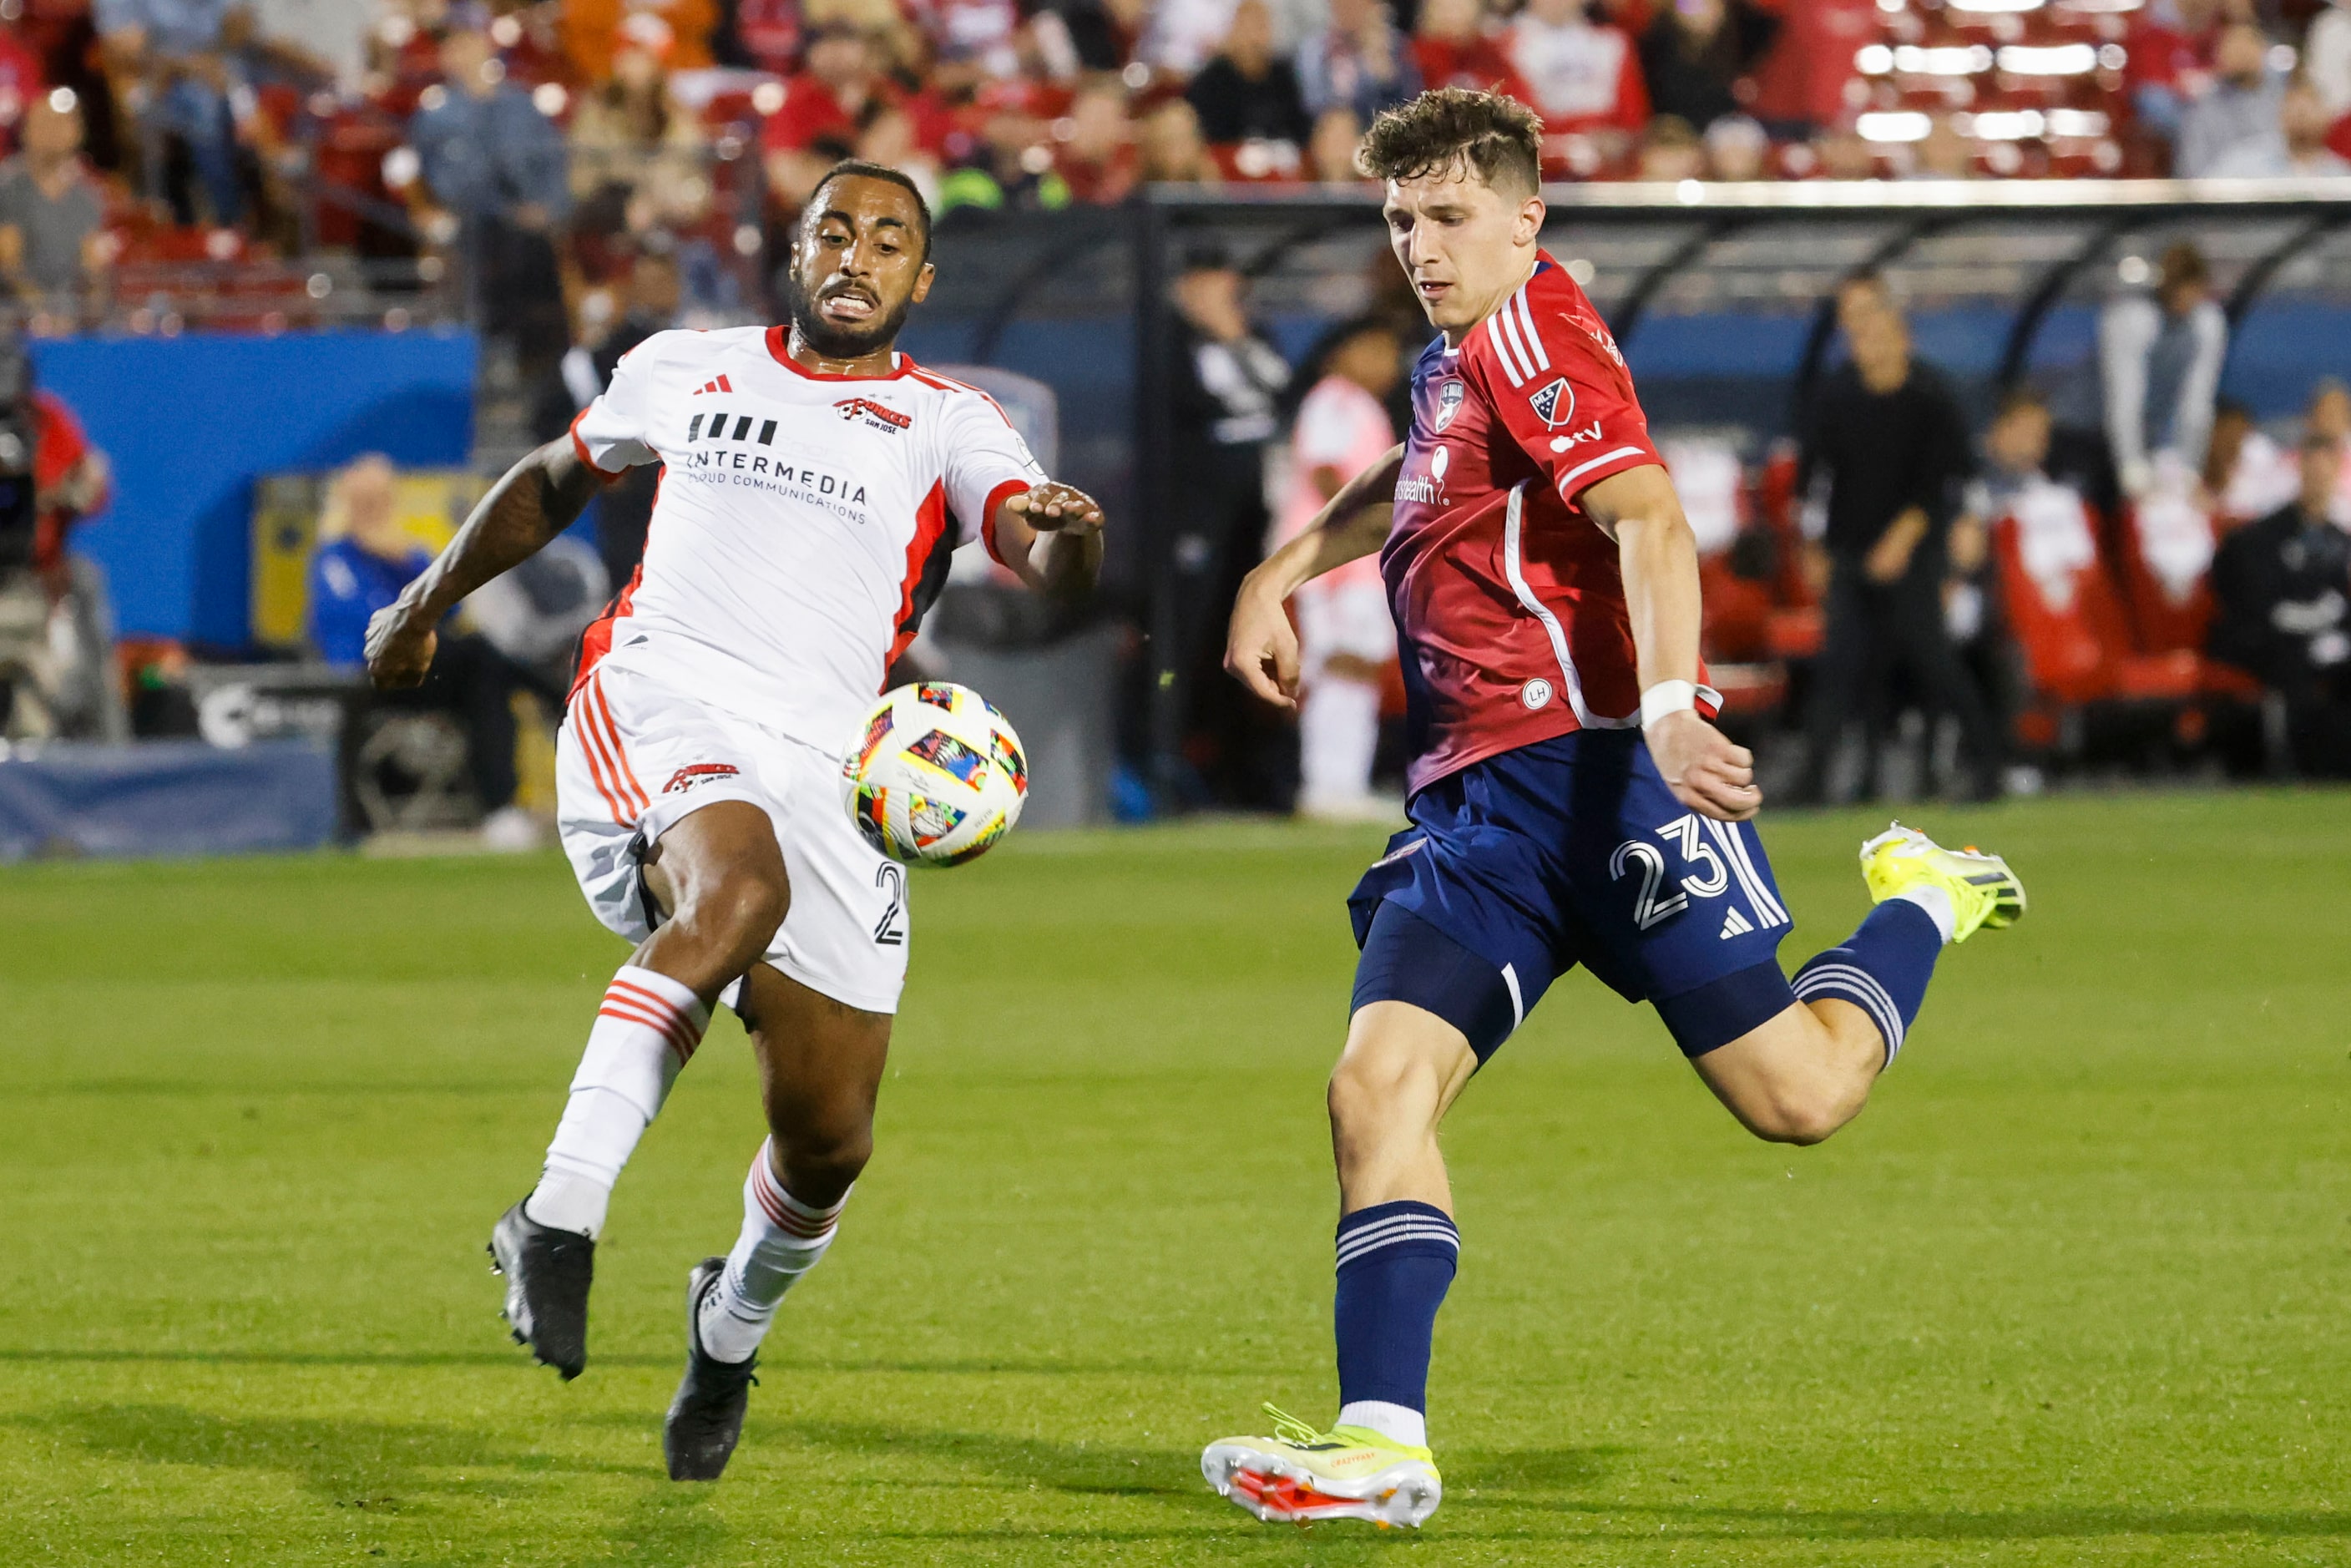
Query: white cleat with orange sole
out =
(1301, 1475)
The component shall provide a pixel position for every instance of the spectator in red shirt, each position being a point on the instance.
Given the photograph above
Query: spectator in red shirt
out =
(20, 76)
(1584, 79)
(1455, 46)
(1802, 81)
(824, 108)
(2170, 45)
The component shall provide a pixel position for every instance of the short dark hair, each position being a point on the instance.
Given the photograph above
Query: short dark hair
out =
(861, 169)
(1489, 135)
(2183, 263)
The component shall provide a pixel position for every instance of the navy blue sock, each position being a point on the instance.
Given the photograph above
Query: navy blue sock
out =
(1881, 969)
(1395, 1262)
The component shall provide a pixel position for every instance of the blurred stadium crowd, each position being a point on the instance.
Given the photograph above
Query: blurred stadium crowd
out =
(562, 138)
(2125, 563)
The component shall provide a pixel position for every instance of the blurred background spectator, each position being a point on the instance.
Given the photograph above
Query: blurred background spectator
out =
(1360, 62)
(1697, 56)
(1228, 390)
(2284, 618)
(1249, 93)
(1584, 79)
(1887, 438)
(1456, 44)
(2235, 127)
(365, 557)
(2159, 358)
(173, 75)
(498, 166)
(51, 210)
(1346, 639)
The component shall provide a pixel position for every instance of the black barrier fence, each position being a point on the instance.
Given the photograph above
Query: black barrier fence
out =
(1721, 294)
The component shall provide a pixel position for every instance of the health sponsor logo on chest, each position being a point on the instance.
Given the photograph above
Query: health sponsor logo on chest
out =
(1425, 489)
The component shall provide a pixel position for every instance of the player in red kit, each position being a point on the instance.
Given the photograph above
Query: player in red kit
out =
(1570, 799)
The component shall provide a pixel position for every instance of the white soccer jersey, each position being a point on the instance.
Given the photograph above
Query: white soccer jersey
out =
(802, 523)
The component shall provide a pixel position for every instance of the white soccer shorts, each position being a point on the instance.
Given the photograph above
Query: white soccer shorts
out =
(634, 757)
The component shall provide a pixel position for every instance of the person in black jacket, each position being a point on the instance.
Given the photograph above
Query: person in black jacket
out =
(1888, 435)
(2284, 615)
(1694, 53)
(1247, 91)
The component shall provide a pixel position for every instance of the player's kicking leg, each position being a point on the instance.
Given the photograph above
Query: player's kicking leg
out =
(1794, 1060)
(718, 878)
(820, 1069)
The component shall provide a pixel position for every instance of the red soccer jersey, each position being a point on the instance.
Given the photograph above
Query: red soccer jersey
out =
(1508, 601)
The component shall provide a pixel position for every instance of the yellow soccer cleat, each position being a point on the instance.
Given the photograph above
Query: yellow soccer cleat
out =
(1301, 1475)
(1982, 890)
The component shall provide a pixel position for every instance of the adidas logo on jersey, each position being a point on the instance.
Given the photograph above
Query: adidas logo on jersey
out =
(721, 385)
(1735, 925)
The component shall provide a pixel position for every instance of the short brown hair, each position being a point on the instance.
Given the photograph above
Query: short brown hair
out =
(1495, 137)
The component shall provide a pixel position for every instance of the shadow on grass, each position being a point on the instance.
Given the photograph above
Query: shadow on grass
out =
(356, 1463)
(1087, 1468)
(516, 1357)
(1980, 1524)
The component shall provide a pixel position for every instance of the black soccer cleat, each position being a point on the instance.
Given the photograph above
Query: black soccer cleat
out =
(548, 1274)
(705, 1419)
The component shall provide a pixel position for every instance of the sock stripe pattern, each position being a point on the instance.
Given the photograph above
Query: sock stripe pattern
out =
(631, 1001)
(1881, 969)
(784, 1212)
(1395, 1262)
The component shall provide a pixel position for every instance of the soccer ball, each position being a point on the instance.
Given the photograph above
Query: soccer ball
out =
(937, 776)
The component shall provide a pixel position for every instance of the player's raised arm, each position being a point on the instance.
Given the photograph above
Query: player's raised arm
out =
(1050, 535)
(1659, 557)
(538, 499)
(1261, 645)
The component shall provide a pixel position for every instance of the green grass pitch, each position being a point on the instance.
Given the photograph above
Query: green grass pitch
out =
(2076, 1288)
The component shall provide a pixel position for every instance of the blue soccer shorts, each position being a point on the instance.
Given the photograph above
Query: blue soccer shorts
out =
(1571, 851)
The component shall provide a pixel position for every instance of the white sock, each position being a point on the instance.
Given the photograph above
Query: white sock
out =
(1937, 902)
(646, 1029)
(1396, 1422)
(782, 1239)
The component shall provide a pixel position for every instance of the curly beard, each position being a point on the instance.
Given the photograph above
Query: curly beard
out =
(835, 341)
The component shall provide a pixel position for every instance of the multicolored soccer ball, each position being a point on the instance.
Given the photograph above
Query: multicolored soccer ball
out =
(937, 776)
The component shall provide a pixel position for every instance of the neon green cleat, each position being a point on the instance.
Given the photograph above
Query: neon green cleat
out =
(1301, 1475)
(1982, 890)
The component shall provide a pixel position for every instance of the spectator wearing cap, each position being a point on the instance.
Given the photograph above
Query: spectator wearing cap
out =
(2283, 616)
(172, 75)
(51, 242)
(838, 90)
(1247, 92)
(1695, 55)
(494, 162)
(1456, 45)
(2159, 356)
(595, 31)
(1584, 76)
(1360, 62)
(2236, 128)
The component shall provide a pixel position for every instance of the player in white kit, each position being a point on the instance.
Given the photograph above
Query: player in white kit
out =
(814, 482)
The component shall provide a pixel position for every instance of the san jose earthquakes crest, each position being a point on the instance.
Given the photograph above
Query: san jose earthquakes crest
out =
(1555, 405)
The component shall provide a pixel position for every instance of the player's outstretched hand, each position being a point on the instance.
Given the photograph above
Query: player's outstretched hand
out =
(398, 654)
(1056, 508)
(1261, 649)
(1703, 768)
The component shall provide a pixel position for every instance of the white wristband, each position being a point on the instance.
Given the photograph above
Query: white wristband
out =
(1665, 698)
